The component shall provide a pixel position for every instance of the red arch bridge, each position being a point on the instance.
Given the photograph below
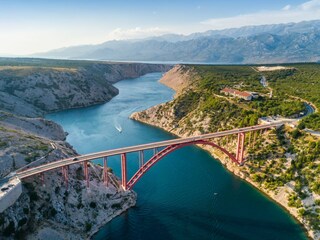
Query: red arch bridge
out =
(168, 147)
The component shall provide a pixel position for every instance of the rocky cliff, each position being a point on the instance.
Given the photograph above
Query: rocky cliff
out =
(29, 88)
(50, 208)
(179, 78)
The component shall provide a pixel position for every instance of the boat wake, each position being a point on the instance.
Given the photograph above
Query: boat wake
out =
(118, 126)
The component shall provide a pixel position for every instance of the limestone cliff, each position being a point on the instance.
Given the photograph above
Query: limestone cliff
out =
(179, 78)
(28, 89)
(53, 209)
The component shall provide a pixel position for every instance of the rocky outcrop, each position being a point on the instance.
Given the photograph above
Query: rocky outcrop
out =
(16, 105)
(178, 78)
(116, 72)
(35, 126)
(53, 211)
(75, 212)
(50, 90)
(33, 91)
(50, 207)
(19, 146)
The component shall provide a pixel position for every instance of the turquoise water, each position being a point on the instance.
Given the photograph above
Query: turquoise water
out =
(188, 194)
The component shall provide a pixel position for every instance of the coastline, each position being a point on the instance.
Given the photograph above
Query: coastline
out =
(111, 217)
(151, 117)
(236, 170)
(63, 222)
(229, 167)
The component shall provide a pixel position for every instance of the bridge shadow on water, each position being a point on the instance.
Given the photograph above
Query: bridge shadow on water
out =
(137, 228)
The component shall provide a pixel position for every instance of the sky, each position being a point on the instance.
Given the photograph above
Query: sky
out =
(34, 26)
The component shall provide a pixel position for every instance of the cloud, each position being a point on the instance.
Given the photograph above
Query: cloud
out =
(135, 33)
(287, 7)
(305, 12)
(310, 5)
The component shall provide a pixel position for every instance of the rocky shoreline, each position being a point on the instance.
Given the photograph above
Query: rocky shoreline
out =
(53, 211)
(153, 117)
(48, 208)
(280, 197)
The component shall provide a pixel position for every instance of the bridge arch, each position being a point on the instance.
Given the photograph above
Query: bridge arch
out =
(157, 157)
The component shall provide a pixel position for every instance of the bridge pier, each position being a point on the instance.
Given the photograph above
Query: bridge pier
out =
(65, 175)
(240, 148)
(86, 172)
(254, 137)
(124, 170)
(105, 171)
(141, 158)
(42, 179)
(155, 151)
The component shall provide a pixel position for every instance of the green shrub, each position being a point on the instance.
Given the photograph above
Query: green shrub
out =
(33, 196)
(88, 226)
(93, 205)
(116, 205)
(294, 201)
(22, 222)
(26, 211)
(53, 212)
(9, 230)
(296, 133)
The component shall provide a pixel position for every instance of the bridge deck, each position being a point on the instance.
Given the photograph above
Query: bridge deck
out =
(113, 152)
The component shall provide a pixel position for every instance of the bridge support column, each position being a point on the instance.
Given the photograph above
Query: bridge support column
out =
(86, 172)
(124, 170)
(105, 171)
(254, 137)
(155, 151)
(240, 148)
(65, 175)
(141, 158)
(42, 179)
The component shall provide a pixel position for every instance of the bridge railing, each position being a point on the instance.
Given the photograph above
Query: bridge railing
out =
(138, 148)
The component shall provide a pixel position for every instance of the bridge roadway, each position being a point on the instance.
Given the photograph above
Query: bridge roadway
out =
(118, 151)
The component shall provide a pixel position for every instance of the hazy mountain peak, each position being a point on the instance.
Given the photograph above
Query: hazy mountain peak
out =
(292, 42)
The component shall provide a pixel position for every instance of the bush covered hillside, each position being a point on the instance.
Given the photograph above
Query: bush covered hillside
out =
(302, 81)
(282, 162)
(205, 99)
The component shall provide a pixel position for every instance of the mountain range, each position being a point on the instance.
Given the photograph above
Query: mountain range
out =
(276, 43)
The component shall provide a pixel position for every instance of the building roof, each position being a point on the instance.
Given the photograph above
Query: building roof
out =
(236, 92)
